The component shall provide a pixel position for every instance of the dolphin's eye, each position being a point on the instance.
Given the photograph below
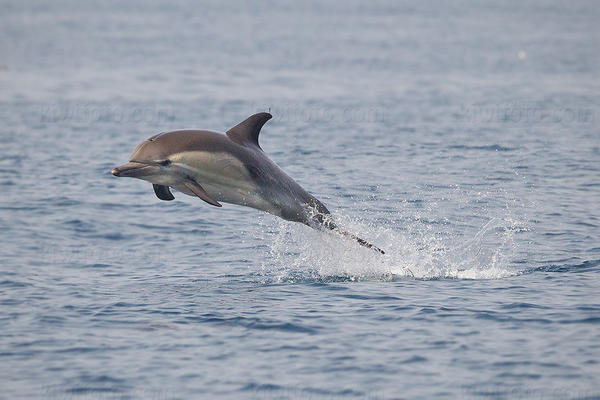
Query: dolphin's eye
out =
(164, 163)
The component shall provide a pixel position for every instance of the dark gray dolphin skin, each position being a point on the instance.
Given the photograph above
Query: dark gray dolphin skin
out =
(227, 168)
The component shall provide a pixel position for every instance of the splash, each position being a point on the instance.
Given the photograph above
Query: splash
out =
(414, 250)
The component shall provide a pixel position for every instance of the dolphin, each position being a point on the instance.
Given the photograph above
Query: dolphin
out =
(227, 168)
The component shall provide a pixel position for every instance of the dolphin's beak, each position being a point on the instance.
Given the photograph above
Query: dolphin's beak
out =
(131, 169)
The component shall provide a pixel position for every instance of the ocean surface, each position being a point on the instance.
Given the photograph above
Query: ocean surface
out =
(461, 137)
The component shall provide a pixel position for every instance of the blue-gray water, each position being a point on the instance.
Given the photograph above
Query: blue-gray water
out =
(461, 137)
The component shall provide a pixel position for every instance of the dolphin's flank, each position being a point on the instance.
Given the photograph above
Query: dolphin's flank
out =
(227, 168)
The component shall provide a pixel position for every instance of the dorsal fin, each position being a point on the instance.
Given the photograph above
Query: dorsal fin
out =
(246, 132)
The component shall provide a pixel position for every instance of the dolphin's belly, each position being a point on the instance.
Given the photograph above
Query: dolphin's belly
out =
(224, 177)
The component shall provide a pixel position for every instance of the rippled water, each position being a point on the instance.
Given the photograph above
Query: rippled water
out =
(463, 139)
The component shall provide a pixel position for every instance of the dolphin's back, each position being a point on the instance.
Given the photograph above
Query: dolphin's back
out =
(183, 141)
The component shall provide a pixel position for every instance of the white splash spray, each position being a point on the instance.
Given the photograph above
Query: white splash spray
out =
(414, 250)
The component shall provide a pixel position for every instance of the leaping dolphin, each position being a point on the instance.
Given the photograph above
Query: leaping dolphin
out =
(229, 168)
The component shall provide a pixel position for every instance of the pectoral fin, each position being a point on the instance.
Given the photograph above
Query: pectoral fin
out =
(163, 192)
(200, 192)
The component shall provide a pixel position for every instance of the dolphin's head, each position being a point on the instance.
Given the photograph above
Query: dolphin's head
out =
(148, 160)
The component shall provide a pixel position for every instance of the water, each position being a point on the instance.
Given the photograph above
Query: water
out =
(461, 138)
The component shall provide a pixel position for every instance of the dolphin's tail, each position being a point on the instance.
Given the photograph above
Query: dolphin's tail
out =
(319, 217)
(325, 221)
(360, 241)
